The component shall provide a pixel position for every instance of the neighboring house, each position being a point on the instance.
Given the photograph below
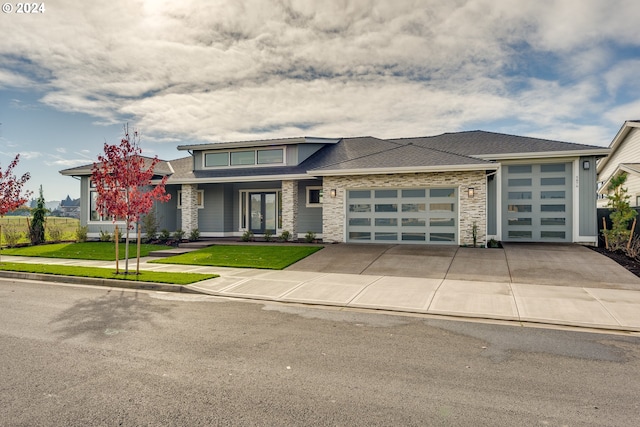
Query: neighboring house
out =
(69, 207)
(428, 190)
(624, 158)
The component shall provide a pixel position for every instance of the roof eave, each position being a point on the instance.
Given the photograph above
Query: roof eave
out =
(258, 143)
(621, 168)
(545, 154)
(76, 172)
(404, 169)
(252, 178)
(617, 140)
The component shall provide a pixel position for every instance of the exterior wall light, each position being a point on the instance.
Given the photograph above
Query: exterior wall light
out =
(586, 165)
(471, 192)
(332, 192)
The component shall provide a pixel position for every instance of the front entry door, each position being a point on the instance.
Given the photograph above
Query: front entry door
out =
(263, 212)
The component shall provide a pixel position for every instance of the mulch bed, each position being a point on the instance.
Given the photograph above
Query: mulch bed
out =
(629, 263)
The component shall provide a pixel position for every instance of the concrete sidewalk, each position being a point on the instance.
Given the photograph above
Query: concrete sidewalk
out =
(502, 299)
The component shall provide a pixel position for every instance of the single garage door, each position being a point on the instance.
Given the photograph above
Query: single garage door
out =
(536, 201)
(409, 215)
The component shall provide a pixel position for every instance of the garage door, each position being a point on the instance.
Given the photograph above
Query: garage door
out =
(537, 203)
(410, 215)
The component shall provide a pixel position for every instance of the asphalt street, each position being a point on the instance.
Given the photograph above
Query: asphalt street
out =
(82, 356)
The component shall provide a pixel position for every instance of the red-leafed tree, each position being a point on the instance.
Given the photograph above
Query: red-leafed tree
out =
(11, 195)
(122, 178)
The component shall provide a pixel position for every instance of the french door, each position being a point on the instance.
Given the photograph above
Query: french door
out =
(263, 212)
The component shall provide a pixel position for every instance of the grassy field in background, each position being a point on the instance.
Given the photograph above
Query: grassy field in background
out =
(67, 227)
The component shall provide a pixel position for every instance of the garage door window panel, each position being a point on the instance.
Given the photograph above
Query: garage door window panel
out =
(386, 236)
(359, 235)
(520, 195)
(519, 221)
(442, 237)
(519, 208)
(553, 167)
(553, 221)
(552, 181)
(552, 194)
(414, 237)
(442, 192)
(552, 208)
(363, 222)
(359, 194)
(520, 182)
(387, 207)
(418, 193)
(386, 222)
(360, 208)
(442, 222)
(413, 222)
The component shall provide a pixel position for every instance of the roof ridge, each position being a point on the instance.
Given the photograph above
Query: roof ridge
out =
(366, 155)
(447, 152)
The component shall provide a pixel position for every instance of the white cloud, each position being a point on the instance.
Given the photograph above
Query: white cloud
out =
(260, 68)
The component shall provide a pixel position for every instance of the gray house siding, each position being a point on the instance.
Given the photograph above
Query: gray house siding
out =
(229, 207)
(211, 217)
(588, 225)
(309, 218)
(492, 205)
(307, 150)
(167, 213)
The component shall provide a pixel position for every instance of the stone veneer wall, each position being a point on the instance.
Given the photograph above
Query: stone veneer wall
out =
(290, 207)
(470, 210)
(189, 207)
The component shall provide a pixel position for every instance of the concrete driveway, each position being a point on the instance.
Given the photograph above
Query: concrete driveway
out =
(528, 263)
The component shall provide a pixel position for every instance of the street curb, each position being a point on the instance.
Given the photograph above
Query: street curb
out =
(112, 283)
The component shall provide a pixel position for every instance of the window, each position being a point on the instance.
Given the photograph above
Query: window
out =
(199, 199)
(216, 159)
(314, 197)
(94, 215)
(244, 157)
(266, 157)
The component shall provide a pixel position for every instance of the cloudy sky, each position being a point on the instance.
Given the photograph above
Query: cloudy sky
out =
(191, 71)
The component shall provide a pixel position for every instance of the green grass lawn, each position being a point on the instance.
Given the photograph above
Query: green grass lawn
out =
(245, 256)
(107, 273)
(99, 251)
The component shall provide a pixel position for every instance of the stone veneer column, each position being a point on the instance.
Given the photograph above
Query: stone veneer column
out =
(189, 208)
(290, 207)
(333, 216)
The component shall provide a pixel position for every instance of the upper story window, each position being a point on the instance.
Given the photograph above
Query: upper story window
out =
(216, 159)
(267, 156)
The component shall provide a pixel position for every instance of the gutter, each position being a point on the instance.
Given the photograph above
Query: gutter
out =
(378, 171)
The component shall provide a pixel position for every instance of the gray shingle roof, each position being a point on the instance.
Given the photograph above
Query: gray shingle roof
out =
(372, 153)
(162, 168)
(481, 143)
(473, 149)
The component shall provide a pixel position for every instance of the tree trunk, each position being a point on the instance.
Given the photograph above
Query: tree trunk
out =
(138, 249)
(126, 250)
(116, 241)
